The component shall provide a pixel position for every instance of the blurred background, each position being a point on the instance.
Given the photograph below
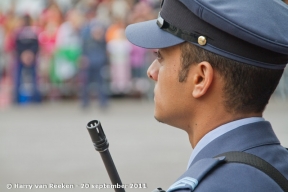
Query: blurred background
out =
(66, 62)
(71, 49)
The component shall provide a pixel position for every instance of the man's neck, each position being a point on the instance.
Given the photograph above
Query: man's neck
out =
(200, 127)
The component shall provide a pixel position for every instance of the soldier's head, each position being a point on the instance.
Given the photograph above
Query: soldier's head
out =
(237, 49)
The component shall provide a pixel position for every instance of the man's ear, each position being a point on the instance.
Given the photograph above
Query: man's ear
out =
(202, 79)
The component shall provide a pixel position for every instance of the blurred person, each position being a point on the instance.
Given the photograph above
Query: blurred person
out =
(119, 9)
(112, 31)
(10, 23)
(104, 12)
(137, 61)
(94, 61)
(142, 11)
(5, 81)
(139, 57)
(47, 40)
(51, 15)
(214, 74)
(50, 20)
(119, 53)
(26, 52)
(66, 56)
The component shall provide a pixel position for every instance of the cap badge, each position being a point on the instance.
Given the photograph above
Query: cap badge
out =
(202, 40)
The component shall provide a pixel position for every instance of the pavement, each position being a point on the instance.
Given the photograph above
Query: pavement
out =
(47, 148)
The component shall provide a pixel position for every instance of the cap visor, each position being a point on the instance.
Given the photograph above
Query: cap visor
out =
(148, 35)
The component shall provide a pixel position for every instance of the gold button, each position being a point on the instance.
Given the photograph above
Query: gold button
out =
(202, 40)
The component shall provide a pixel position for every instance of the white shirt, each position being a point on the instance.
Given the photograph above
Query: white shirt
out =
(215, 133)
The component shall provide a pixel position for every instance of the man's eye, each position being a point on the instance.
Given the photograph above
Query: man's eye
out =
(157, 55)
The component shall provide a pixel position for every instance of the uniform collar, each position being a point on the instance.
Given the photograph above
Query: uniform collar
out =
(243, 138)
(221, 130)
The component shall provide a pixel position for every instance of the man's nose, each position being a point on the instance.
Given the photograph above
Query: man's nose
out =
(153, 70)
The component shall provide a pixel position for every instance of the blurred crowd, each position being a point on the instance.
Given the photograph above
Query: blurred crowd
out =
(79, 52)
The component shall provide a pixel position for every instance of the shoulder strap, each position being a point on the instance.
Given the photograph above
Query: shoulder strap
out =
(258, 163)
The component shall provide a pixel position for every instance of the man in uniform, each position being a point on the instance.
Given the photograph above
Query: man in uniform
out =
(218, 62)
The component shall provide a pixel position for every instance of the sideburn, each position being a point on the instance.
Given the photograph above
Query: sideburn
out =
(187, 59)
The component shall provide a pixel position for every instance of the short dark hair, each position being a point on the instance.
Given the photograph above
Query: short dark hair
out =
(247, 88)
